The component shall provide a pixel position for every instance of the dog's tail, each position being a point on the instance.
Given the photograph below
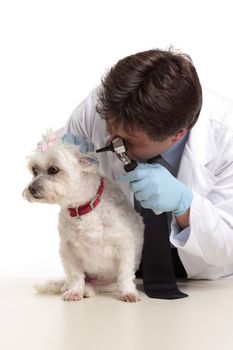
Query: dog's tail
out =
(51, 287)
(60, 286)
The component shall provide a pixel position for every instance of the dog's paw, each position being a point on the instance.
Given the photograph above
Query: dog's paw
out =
(131, 297)
(73, 295)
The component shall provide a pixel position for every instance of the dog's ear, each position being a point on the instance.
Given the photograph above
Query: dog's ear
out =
(89, 162)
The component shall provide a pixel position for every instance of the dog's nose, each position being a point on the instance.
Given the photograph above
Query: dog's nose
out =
(33, 189)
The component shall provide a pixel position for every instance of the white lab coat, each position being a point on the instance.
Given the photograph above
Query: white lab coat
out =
(206, 167)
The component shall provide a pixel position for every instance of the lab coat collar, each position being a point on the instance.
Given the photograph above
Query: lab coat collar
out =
(201, 143)
(199, 150)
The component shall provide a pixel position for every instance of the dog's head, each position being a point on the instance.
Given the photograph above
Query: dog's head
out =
(58, 170)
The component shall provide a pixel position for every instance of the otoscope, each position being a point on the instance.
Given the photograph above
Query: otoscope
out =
(117, 145)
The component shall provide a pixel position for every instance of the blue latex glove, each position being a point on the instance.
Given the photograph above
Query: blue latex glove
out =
(85, 146)
(156, 188)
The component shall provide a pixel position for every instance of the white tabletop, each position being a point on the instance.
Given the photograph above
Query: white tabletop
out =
(30, 321)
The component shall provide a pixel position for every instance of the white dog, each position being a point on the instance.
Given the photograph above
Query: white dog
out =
(100, 249)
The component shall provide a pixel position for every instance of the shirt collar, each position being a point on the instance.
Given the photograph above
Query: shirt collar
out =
(174, 153)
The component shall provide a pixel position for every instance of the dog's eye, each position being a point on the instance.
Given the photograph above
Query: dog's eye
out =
(52, 170)
(35, 171)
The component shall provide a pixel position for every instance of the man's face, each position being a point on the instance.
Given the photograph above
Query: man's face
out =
(139, 146)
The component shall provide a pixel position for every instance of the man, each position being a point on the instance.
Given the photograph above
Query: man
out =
(153, 100)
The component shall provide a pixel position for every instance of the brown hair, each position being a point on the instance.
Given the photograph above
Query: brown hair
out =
(157, 91)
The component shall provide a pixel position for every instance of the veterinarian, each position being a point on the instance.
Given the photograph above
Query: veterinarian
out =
(153, 100)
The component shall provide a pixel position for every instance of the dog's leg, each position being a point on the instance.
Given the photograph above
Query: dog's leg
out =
(74, 273)
(75, 290)
(126, 276)
(89, 290)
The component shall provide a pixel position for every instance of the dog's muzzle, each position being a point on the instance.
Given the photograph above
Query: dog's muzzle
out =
(35, 190)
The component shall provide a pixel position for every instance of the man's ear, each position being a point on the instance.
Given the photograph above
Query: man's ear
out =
(179, 135)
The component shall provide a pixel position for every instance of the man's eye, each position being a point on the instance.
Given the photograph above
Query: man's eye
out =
(35, 171)
(52, 170)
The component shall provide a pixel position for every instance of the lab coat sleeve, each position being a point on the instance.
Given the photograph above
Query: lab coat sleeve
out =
(210, 233)
(181, 236)
(81, 120)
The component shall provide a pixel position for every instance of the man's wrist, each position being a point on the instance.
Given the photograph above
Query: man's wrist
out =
(183, 220)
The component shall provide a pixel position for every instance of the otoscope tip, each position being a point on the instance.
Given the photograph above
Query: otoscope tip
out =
(106, 148)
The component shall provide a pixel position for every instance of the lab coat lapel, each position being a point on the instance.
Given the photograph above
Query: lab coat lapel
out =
(194, 170)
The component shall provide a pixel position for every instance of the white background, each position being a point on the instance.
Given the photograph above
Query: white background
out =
(52, 54)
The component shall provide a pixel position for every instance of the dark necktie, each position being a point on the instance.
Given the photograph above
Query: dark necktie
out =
(157, 266)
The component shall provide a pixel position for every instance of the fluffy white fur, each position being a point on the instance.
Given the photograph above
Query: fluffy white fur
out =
(100, 251)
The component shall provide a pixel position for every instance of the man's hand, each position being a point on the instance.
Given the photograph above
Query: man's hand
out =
(155, 188)
(183, 220)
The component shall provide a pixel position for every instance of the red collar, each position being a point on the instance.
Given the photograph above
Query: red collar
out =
(86, 208)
